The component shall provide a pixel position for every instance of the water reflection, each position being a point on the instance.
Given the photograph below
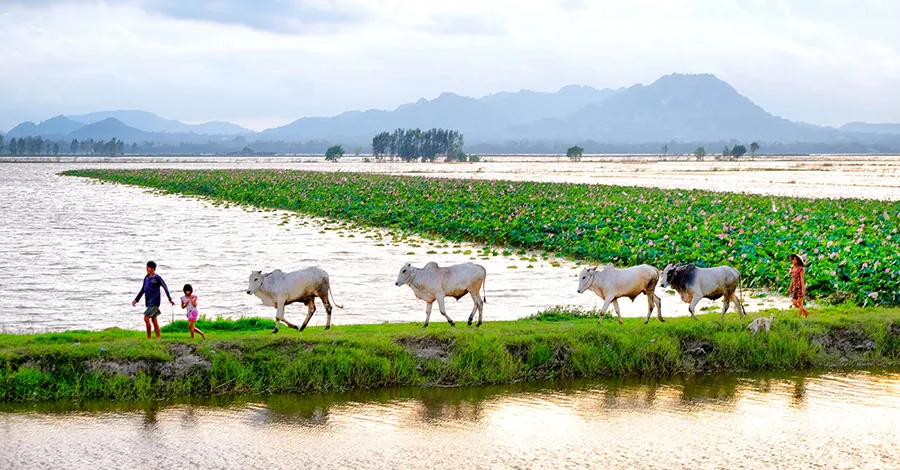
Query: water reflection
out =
(831, 419)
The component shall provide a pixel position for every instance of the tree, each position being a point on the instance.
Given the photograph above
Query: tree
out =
(754, 146)
(727, 151)
(1, 143)
(574, 153)
(700, 153)
(73, 147)
(246, 151)
(665, 149)
(334, 153)
(13, 146)
(738, 151)
(382, 144)
(134, 148)
(357, 150)
(55, 148)
(21, 146)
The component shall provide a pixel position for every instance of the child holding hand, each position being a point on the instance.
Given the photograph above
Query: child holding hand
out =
(189, 304)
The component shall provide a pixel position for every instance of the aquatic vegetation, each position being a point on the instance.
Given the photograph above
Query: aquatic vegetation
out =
(241, 356)
(851, 245)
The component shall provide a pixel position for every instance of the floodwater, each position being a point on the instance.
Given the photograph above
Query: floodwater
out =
(73, 256)
(833, 421)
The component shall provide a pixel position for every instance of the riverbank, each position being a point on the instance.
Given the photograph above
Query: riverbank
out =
(850, 243)
(243, 357)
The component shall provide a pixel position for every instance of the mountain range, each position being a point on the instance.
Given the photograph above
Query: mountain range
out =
(674, 108)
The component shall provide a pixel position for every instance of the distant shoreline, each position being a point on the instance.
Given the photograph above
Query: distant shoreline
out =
(485, 158)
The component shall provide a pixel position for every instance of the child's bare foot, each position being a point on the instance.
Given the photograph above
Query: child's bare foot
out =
(202, 336)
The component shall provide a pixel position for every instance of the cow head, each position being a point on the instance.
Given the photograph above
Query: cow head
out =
(256, 280)
(666, 278)
(405, 274)
(586, 278)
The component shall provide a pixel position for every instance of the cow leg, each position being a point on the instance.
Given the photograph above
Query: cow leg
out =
(280, 316)
(277, 319)
(650, 303)
(725, 304)
(738, 305)
(658, 307)
(618, 313)
(427, 313)
(440, 301)
(472, 315)
(603, 311)
(691, 308)
(479, 303)
(328, 309)
(311, 309)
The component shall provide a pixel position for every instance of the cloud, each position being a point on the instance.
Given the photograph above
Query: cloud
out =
(468, 24)
(278, 16)
(822, 62)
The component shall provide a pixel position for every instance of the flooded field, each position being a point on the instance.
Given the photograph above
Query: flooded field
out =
(833, 420)
(75, 250)
(817, 176)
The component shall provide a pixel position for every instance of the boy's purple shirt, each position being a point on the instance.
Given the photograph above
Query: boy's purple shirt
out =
(150, 288)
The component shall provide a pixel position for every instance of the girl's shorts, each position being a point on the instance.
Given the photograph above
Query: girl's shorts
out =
(193, 315)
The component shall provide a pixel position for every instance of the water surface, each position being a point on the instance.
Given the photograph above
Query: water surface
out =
(832, 420)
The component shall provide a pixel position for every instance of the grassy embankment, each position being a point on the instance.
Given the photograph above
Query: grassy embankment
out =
(243, 357)
(852, 245)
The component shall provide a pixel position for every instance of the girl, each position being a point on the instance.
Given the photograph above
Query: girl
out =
(797, 288)
(189, 304)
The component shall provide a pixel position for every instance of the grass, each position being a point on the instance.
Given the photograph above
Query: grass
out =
(242, 357)
(851, 244)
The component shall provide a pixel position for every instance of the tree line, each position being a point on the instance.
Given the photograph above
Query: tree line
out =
(414, 144)
(38, 146)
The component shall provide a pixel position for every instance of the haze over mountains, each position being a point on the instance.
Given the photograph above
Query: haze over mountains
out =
(674, 108)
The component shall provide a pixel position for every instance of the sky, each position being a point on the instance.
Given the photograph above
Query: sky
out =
(263, 64)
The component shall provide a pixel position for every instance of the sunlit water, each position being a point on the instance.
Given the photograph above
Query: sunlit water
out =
(73, 254)
(821, 421)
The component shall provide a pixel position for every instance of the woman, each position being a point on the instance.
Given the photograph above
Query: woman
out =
(797, 288)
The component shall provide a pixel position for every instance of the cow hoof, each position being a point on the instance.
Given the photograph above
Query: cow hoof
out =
(425, 325)
(327, 327)
(452, 325)
(470, 323)
(274, 331)
(477, 324)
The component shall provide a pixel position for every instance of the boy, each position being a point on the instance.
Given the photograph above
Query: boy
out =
(152, 282)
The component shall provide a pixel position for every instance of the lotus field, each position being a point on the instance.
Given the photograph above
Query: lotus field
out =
(852, 246)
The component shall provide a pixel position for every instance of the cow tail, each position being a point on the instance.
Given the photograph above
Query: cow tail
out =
(484, 289)
(740, 293)
(331, 294)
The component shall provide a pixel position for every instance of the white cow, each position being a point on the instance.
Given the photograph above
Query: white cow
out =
(434, 283)
(278, 289)
(612, 284)
(695, 284)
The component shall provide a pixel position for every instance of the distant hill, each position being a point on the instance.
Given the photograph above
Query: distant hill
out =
(150, 122)
(674, 108)
(53, 127)
(886, 128)
(109, 128)
(528, 106)
(485, 118)
(681, 108)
